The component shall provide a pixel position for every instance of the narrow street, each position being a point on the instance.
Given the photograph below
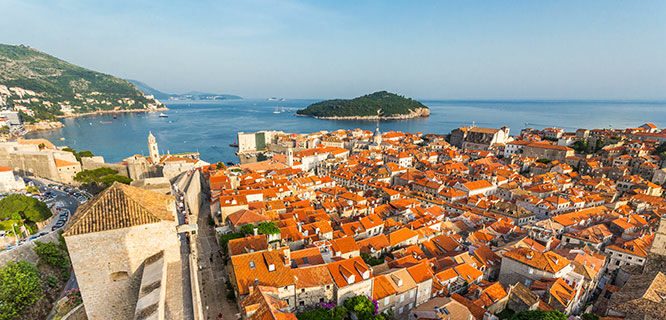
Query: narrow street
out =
(212, 272)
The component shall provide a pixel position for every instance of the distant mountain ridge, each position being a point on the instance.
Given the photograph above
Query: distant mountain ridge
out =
(192, 95)
(43, 87)
(381, 105)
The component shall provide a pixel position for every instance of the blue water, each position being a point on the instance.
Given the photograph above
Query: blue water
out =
(209, 127)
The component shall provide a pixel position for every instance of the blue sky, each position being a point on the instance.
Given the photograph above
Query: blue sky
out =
(322, 49)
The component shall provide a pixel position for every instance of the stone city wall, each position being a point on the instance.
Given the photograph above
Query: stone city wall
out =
(26, 251)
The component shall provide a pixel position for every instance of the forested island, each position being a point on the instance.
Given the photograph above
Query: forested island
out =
(381, 105)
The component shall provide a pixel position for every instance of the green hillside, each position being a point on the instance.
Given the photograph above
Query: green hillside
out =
(56, 87)
(380, 104)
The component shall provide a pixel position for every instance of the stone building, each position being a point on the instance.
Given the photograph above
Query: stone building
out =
(123, 237)
(314, 285)
(644, 295)
(526, 265)
(547, 151)
(476, 138)
(26, 158)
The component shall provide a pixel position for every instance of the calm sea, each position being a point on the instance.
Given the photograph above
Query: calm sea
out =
(209, 127)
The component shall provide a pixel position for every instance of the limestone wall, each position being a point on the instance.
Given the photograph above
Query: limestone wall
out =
(91, 164)
(26, 251)
(78, 313)
(40, 164)
(109, 264)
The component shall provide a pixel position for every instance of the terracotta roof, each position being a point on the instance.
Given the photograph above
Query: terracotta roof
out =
(307, 256)
(120, 206)
(252, 269)
(4, 169)
(547, 261)
(313, 276)
(243, 217)
(344, 245)
(64, 163)
(382, 287)
(420, 272)
(401, 235)
(248, 244)
(345, 269)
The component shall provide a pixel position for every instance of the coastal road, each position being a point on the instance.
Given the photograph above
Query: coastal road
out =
(62, 199)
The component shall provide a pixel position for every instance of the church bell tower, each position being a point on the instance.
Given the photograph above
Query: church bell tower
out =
(152, 148)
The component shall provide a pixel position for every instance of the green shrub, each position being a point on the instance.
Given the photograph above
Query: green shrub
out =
(20, 287)
(538, 315)
(51, 254)
(52, 281)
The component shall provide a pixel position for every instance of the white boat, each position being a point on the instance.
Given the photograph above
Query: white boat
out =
(163, 115)
(276, 110)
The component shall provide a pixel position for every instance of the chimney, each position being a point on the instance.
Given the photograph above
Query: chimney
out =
(255, 231)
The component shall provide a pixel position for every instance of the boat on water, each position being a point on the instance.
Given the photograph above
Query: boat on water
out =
(105, 122)
(163, 115)
(115, 116)
(234, 145)
(276, 110)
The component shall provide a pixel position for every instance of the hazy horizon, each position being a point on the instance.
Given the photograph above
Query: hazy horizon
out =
(515, 50)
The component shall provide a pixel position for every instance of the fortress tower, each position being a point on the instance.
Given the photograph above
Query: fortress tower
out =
(152, 148)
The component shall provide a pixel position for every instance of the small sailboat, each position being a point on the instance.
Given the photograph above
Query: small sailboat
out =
(276, 110)
(163, 115)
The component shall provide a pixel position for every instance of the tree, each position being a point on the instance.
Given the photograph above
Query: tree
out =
(590, 316)
(18, 206)
(268, 228)
(20, 287)
(247, 229)
(332, 313)
(362, 306)
(543, 160)
(580, 146)
(80, 154)
(538, 315)
(100, 178)
(224, 239)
